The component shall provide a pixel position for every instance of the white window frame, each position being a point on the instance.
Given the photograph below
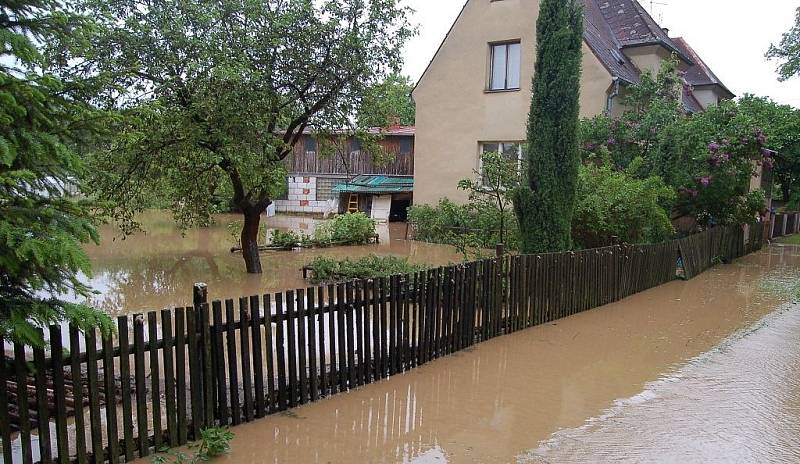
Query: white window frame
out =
(500, 149)
(506, 46)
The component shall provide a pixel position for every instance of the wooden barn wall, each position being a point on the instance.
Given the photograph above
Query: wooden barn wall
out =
(360, 162)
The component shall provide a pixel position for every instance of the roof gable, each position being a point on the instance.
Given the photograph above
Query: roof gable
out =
(699, 74)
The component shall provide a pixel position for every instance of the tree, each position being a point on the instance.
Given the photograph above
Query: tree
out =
(781, 126)
(388, 102)
(41, 228)
(492, 188)
(215, 94)
(787, 52)
(544, 207)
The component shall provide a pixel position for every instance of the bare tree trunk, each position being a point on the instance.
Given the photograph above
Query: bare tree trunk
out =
(252, 260)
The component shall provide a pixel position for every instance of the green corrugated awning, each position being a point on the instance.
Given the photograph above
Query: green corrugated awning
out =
(377, 185)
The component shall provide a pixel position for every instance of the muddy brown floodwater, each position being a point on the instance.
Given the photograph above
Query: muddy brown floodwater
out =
(698, 371)
(156, 268)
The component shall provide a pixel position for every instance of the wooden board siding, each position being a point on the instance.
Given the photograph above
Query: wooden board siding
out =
(360, 162)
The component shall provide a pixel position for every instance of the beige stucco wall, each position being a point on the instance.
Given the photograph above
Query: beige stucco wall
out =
(649, 58)
(454, 111)
(707, 96)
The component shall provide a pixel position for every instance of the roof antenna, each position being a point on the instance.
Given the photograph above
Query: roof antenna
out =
(653, 4)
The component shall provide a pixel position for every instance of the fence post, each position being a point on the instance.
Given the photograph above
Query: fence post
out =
(205, 372)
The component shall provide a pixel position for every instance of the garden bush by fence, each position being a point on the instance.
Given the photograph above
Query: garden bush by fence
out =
(165, 376)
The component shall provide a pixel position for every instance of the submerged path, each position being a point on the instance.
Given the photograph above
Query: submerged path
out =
(527, 397)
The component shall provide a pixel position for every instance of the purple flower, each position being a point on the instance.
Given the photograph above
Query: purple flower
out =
(713, 161)
(611, 141)
(705, 181)
(713, 147)
(761, 139)
(590, 146)
(725, 157)
(766, 153)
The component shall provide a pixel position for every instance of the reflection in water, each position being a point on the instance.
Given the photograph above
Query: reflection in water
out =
(156, 268)
(499, 400)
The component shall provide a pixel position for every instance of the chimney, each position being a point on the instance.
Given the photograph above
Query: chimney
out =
(666, 30)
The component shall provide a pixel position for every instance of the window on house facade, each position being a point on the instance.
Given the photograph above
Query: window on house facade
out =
(512, 150)
(355, 145)
(405, 146)
(310, 144)
(505, 66)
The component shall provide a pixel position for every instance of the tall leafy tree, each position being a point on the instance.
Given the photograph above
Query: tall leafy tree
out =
(388, 102)
(787, 52)
(41, 228)
(544, 207)
(781, 126)
(215, 94)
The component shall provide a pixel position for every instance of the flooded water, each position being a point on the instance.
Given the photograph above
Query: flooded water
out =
(156, 268)
(698, 371)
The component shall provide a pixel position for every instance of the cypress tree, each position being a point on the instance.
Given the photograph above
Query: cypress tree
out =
(544, 206)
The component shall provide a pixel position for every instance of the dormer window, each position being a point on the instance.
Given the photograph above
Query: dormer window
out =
(505, 64)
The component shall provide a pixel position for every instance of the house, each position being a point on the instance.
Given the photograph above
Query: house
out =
(475, 94)
(351, 179)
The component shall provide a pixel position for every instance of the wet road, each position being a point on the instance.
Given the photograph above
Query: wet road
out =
(156, 268)
(699, 371)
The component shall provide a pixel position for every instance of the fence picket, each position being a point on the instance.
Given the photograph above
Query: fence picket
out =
(21, 370)
(169, 377)
(258, 357)
(42, 410)
(233, 361)
(155, 378)
(77, 392)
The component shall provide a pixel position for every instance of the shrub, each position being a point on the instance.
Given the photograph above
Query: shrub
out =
(469, 228)
(285, 239)
(613, 203)
(346, 228)
(329, 270)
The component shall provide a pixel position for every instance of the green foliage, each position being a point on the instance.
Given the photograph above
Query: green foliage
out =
(544, 207)
(707, 158)
(351, 228)
(468, 228)
(388, 102)
(343, 229)
(214, 442)
(330, 270)
(285, 239)
(42, 229)
(781, 126)
(613, 204)
(215, 94)
(787, 52)
(491, 191)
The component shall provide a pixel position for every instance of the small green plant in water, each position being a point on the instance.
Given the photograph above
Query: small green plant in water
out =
(214, 442)
(331, 270)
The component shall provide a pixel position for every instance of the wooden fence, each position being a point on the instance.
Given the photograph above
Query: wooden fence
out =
(164, 376)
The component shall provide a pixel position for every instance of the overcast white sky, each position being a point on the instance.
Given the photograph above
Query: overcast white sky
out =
(730, 35)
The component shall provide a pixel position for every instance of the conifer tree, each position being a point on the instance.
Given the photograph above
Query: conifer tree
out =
(544, 206)
(41, 228)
